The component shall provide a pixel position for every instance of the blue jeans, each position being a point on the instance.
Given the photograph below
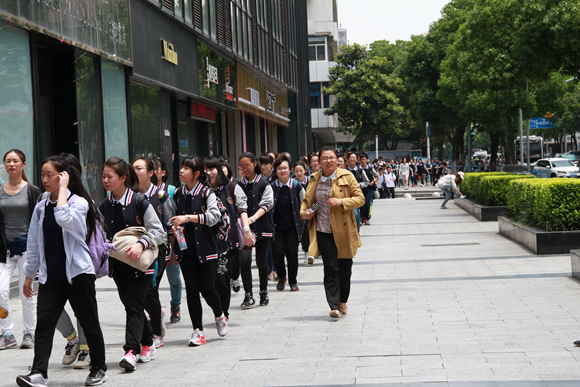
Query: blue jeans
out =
(366, 208)
(357, 217)
(175, 285)
(448, 190)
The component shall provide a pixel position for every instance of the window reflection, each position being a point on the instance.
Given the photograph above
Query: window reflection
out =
(145, 124)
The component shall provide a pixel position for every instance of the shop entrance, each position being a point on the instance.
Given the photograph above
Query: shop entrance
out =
(194, 135)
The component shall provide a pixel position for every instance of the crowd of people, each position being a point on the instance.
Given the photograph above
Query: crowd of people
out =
(202, 231)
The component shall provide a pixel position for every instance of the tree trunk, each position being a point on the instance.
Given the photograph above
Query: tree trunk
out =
(441, 152)
(510, 143)
(494, 146)
(457, 142)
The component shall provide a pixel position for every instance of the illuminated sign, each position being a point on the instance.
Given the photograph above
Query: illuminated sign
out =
(168, 52)
(228, 88)
(201, 111)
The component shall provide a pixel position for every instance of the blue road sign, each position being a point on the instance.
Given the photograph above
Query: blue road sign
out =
(428, 131)
(541, 123)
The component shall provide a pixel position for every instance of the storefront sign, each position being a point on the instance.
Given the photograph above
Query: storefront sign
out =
(168, 52)
(211, 74)
(216, 76)
(198, 110)
(270, 102)
(101, 27)
(228, 88)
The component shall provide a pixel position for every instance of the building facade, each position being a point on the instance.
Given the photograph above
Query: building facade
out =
(323, 44)
(169, 78)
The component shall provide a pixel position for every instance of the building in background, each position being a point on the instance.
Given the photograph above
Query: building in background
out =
(323, 44)
(183, 77)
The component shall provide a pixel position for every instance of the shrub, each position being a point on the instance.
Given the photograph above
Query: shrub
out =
(552, 204)
(471, 186)
(494, 188)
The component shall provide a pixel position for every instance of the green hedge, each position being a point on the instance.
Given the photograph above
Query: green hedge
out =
(471, 186)
(521, 198)
(494, 189)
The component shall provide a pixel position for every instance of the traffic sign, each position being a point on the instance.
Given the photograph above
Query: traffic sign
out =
(548, 115)
(541, 123)
(428, 131)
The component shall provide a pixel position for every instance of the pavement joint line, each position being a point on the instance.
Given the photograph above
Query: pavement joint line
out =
(452, 244)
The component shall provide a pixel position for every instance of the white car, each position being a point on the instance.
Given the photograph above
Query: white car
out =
(557, 167)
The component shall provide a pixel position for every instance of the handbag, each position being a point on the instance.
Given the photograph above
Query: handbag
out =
(129, 237)
(376, 195)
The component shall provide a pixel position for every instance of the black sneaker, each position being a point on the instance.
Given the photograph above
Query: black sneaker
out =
(175, 314)
(281, 284)
(96, 378)
(264, 300)
(33, 379)
(248, 301)
(236, 285)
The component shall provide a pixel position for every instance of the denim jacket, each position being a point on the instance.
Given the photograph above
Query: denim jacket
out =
(72, 219)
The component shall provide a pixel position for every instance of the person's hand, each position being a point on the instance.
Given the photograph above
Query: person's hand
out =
(27, 288)
(63, 179)
(178, 221)
(134, 251)
(307, 215)
(248, 240)
(334, 202)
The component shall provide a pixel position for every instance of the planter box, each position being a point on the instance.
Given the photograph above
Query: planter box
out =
(575, 258)
(537, 240)
(481, 212)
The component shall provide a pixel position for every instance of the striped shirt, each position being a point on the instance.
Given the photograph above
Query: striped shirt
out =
(322, 195)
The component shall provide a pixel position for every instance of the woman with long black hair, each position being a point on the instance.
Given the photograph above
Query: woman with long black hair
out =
(122, 210)
(59, 230)
(288, 194)
(260, 202)
(197, 212)
(165, 209)
(236, 202)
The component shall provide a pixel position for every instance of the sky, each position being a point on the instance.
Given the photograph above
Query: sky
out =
(369, 20)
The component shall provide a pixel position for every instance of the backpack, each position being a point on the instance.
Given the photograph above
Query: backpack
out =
(98, 245)
(222, 228)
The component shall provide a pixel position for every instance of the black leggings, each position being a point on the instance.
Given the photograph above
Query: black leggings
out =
(337, 271)
(261, 246)
(222, 279)
(286, 244)
(200, 278)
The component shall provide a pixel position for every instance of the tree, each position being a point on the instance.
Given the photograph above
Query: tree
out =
(368, 99)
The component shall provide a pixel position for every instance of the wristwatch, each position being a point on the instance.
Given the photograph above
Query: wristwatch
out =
(252, 219)
(247, 229)
(187, 217)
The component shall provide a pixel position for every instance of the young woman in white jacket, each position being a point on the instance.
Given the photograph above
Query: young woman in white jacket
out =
(58, 251)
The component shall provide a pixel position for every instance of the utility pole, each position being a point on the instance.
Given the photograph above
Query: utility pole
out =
(469, 152)
(528, 138)
(521, 139)
(377, 147)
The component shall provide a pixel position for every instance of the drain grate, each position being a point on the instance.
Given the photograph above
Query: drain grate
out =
(451, 244)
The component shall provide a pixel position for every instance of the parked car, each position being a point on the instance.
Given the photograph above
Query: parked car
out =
(573, 156)
(557, 167)
(515, 168)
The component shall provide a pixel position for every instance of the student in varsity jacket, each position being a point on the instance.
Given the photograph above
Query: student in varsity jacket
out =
(288, 194)
(165, 209)
(197, 212)
(120, 211)
(233, 198)
(260, 202)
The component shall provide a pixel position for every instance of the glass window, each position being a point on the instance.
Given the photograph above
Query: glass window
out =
(114, 111)
(204, 16)
(325, 97)
(145, 127)
(88, 129)
(320, 53)
(312, 53)
(315, 95)
(212, 19)
(187, 10)
(234, 31)
(16, 112)
(177, 8)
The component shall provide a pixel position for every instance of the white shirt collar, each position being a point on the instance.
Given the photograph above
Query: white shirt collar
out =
(150, 190)
(68, 194)
(331, 177)
(287, 183)
(192, 192)
(124, 199)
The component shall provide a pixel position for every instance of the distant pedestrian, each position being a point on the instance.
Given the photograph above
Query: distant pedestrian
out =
(333, 231)
(390, 180)
(404, 172)
(449, 185)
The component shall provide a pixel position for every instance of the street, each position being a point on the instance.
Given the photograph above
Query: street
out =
(437, 296)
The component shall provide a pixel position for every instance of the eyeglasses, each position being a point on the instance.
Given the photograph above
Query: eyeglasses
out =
(325, 159)
(139, 169)
(245, 166)
(282, 168)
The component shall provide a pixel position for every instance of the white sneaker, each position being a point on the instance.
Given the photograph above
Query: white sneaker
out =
(71, 352)
(34, 379)
(84, 361)
(158, 341)
(27, 341)
(146, 353)
(222, 325)
(444, 208)
(197, 338)
(128, 362)
(462, 197)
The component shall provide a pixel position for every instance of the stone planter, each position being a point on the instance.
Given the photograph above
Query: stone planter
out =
(575, 258)
(537, 240)
(481, 212)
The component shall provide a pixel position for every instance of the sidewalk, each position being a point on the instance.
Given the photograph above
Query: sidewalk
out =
(437, 296)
